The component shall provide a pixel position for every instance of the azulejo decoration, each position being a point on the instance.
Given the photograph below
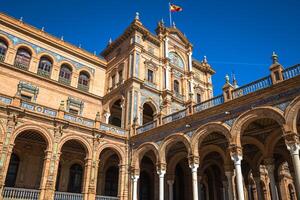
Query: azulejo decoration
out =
(176, 60)
(283, 105)
(39, 49)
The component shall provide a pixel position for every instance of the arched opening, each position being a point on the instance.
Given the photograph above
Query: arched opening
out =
(147, 177)
(108, 183)
(12, 171)
(3, 49)
(45, 66)
(71, 169)
(75, 178)
(84, 81)
(116, 114)
(148, 113)
(178, 171)
(23, 58)
(65, 74)
(27, 161)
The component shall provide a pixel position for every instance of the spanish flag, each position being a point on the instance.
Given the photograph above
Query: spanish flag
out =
(175, 8)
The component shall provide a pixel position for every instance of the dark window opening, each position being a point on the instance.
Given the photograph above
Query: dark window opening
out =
(75, 179)
(65, 74)
(23, 58)
(111, 182)
(12, 171)
(3, 49)
(45, 67)
(150, 76)
(26, 97)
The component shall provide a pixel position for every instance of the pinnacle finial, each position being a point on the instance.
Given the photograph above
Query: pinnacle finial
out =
(137, 16)
(227, 78)
(95, 53)
(204, 59)
(162, 21)
(174, 25)
(274, 57)
(79, 46)
(43, 29)
(21, 19)
(109, 41)
(62, 38)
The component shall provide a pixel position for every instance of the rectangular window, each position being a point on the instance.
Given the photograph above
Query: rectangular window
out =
(26, 97)
(131, 63)
(137, 63)
(120, 76)
(150, 76)
(198, 98)
(113, 80)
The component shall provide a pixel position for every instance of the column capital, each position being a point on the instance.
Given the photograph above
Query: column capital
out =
(135, 178)
(193, 161)
(170, 182)
(161, 167)
(236, 153)
(229, 174)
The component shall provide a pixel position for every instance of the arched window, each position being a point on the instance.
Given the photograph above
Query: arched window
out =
(116, 114)
(148, 113)
(45, 67)
(75, 179)
(3, 50)
(111, 182)
(176, 86)
(176, 60)
(83, 81)
(65, 74)
(23, 58)
(12, 171)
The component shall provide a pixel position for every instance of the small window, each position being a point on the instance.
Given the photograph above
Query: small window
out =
(3, 49)
(176, 86)
(113, 80)
(277, 77)
(150, 76)
(23, 58)
(26, 97)
(73, 111)
(120, 76)
(45, 66)
(83, 81)
(198, 98)
(65, 74)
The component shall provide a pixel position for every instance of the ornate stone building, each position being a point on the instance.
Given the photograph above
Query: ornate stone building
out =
(140, 121)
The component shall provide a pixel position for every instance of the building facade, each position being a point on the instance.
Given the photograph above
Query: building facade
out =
(140, 121)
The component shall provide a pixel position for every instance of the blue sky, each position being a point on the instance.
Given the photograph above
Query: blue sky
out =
(235, 35)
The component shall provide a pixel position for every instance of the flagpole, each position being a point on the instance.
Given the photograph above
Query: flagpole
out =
(170, 13)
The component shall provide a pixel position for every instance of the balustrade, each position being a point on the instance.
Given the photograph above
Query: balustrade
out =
(67, 196)
(10, 193)
(291, 72)
(98, 197)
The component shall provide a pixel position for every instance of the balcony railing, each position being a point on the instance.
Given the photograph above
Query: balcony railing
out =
(252, 87)
(2, 57)
(146, 127)
(83, 87)
(43, 73)
(291, 72)
(174, 116)
(21, 65)
(64, 81)
(20, 194)
(98, 197)
(209, 103)
(67, 196)
(112, 128)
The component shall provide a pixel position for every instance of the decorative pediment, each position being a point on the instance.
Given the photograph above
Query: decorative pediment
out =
(178, 35)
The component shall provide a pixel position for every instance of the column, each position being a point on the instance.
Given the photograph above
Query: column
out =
(166, 50)
(87, 177)
(229, 175)
(106, 116)
(44, 177)
(237, 158)
(294, 151)
(258, 187)
(270, 168)
(194, 168)
(250, 192)
(190, 61)
(170, 184)
(161, 174)
(225, 190)
(135, 179)
(167, 77)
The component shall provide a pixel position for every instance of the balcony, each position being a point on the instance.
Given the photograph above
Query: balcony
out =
(83, 87)
(21, 65)
(67, 196)
(64, 81)
(43, 73)
(10, 193)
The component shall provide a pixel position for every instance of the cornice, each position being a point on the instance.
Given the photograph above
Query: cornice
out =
(51, 40)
